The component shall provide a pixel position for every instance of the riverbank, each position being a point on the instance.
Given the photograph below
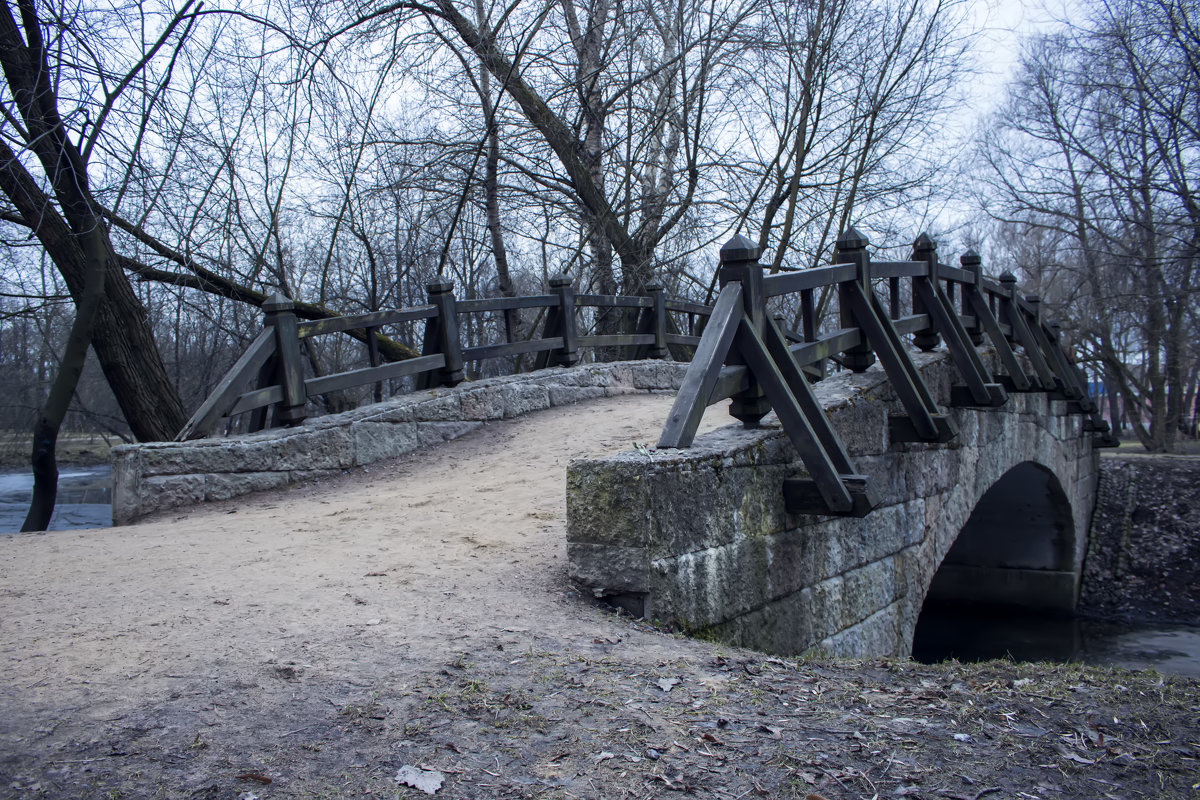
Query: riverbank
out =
(314, 643)
(1143, 559)
(72, 450)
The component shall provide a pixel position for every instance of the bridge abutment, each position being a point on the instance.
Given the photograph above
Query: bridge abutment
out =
(699, 538)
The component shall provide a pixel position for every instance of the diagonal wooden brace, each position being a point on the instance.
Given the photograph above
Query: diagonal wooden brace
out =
(1033, 351)
(924, 423)
(705, 369)
(795, 423)
(983, 315)
(983, 391)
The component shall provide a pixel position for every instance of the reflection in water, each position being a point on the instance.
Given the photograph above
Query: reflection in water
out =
(84, 499)
(978, 633)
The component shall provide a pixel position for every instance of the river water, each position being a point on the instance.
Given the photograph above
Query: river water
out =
(84, 499)
(977, 633)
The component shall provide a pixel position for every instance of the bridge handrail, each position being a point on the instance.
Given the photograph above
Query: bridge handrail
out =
(273, 359)
(748, 356)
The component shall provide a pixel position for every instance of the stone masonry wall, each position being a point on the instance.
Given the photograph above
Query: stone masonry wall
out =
(1143, 560)
(162, 475)
(701, 537)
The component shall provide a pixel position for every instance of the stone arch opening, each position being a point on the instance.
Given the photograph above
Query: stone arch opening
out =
(1012, 569)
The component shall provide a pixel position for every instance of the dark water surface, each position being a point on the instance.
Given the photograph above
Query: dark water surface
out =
(84, 499)
(975, 633)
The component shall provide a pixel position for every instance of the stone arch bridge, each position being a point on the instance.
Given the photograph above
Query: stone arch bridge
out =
(824, 521)
(701, 539)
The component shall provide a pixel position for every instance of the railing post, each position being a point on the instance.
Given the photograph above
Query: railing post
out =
(289, 373)
(562, 286)
(925, 249)
(852, 249)
(659, 294)
(972, 264)
(441, 334)
(1035, 303)
(739, 262)
(1008, 304)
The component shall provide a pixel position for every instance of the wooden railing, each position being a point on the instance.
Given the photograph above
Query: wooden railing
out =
(746, 356)
(274, 367)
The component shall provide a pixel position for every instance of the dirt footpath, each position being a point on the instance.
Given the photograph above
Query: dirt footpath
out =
(409, 629)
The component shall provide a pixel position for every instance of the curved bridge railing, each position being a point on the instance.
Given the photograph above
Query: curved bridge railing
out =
(747, 356)
(268, 381)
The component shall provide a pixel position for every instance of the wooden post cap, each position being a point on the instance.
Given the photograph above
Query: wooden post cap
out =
(277, 302)
(851, 239)
(739, 248)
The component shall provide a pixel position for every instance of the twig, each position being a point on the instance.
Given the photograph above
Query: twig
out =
(979, 794)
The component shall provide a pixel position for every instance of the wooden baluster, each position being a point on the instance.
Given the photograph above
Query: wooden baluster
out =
(925, 249)
(972, 264)
(739, 262)
(852, 249)
(289, 371)
(659, 295)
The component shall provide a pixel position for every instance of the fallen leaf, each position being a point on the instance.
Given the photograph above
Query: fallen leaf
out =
(666, 684)
(962, 737)
(426, 780)
(254, 776)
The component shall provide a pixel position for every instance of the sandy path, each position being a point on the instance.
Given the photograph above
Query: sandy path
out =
(390, 568)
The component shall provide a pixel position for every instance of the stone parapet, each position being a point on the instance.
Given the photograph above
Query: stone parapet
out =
(699, 539)
(162, 475)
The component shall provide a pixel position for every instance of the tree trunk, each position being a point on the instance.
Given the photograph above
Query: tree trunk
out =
(45, 433)
(121, 333)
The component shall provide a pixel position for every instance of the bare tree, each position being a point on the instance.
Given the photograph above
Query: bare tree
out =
(1097, 147)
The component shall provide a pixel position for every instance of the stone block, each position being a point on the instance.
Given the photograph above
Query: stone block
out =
(169, 491)
(566, 395)
(824, 603)
(446, 407)
(323, 449)
(797, 558)
(657, 375)
(298, 476)
(868, 589)
(379, 441)
(126, 484)
(609, 569)
(607, 503)
(711, 505)
(707, 587)
(430, 433)
(212, 455)
(875, 636)
(523, 398)
(399, 409)
(782, 626)
(862, 426)
(222, 486)
(482, 403)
